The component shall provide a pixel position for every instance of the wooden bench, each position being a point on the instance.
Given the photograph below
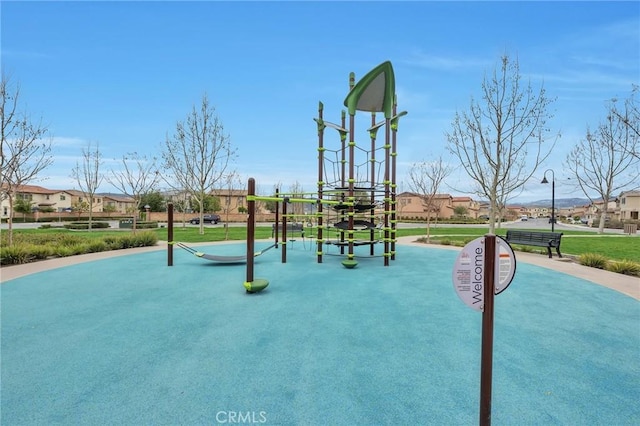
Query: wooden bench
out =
(534, 238)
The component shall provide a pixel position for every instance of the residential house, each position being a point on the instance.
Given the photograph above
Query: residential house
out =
(114, 203)
(41, 199)
(231, 200)
(513, 212)
(629, 205)
(80, 201)
(411, 205)
(596, 208)
(472, 207)
(509, 212)
(572, 212)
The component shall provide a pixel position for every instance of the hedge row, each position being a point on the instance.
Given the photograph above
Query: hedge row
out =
(41, 247)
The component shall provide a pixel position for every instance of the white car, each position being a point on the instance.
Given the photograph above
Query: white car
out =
(524, 218)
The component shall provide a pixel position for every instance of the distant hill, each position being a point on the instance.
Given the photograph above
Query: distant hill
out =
(559, 202)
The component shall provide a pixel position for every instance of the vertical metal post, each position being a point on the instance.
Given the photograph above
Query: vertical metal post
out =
(320, 211)
(352, 144)
(170, 234)
(387, 191)
(284, 229)
(486, 363)
(351, 196)
(251, 224)
(277, 221)
(553, 203)
(394, 143)
(372, 195)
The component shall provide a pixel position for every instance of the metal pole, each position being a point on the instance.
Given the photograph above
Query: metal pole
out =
(553, 195)
(372, 195)
(284, 230)
(387, 191)
(486, 363)
(251, 224)
(170, 234)
(553, 201)
(277, 222)
(320, 211)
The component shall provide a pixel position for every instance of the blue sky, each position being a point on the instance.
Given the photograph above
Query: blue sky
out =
(121, 74)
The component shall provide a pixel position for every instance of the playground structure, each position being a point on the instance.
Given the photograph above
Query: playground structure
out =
(356, 188)
(354, 182)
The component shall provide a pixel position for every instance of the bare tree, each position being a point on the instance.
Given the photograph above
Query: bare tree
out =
(425, 179)
(502, 142)
(601, 163)
(296, 190)
(232, 184)
(25, 150)
(198, 154)
(87, 174)
(138, 176)
(630, 116)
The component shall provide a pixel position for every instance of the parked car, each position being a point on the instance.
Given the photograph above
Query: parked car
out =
(207, 218)
(524, 218)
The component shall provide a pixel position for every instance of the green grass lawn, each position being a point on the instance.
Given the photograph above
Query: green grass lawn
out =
(612, 246)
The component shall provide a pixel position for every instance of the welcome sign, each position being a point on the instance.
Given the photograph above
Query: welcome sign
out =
(469, 268)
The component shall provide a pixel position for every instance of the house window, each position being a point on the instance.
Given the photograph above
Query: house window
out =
(47, 197)
(623, 200)
(98, 200)
(62, 198)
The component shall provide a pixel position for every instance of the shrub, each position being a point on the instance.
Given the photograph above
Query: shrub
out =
(125, 241)
(71, 250)
(626, 267)
(39, 252)
(96, 246)
(85, 225)
(146, 225)
(14, 255)
(593, 260)
(145, 239)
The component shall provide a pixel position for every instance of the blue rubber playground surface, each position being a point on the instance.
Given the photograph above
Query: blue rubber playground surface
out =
(130, 341)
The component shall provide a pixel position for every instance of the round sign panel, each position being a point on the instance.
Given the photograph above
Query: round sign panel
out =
(468, 271)
(468, 274)
(505, 265)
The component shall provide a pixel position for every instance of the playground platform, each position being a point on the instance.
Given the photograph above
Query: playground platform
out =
(120, 338)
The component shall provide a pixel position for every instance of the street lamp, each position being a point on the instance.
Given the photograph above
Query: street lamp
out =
(147, 207)
(553, 195)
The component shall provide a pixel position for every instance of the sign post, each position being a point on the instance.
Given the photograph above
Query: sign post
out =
(485, 267)
(486, 363)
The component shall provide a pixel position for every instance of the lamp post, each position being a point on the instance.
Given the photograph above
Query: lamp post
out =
(147, 207)
(553, 195)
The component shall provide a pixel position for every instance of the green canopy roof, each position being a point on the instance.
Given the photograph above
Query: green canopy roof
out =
(374, 92)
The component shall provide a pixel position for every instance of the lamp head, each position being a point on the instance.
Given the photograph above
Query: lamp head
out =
(544, 179)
